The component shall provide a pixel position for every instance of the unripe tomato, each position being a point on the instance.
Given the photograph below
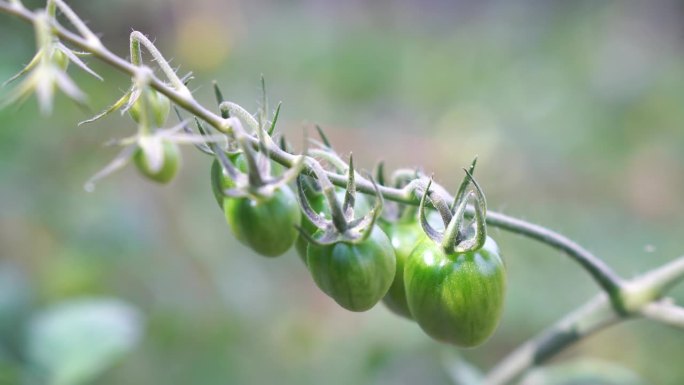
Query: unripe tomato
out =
(267, 225)
(456, 298)
(220, 181)
(355, 275)
(404, 236)
(166, 170)
(158, 105)
(60, 59)
(319, 204)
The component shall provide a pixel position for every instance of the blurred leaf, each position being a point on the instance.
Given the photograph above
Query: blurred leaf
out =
(74, 341)
(583, 372)
(15, 299)
(71, 274)
(9, 369)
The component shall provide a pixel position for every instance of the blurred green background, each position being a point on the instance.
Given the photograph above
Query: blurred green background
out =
(574, 108)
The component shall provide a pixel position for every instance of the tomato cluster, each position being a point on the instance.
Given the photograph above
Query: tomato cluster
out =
(431, 265)
(448, 278)
(451, 282)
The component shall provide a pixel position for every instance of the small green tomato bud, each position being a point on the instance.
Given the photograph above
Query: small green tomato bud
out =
(161, 167)
(157, 103)
(60, 59)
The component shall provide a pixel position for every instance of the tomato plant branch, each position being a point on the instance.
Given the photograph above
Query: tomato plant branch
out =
(607, 279)
(74, 20)
(645, 298)
(665, 312)
(593, 316)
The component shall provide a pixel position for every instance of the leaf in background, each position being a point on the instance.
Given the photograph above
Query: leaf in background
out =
(583, 372)
(73, 342)
(9, 369)
(15, 300)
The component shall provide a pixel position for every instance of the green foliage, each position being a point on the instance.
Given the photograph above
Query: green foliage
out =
(73, 342)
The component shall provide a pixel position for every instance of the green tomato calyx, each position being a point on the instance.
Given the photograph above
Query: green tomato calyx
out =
(459, 236)
(343, 225)
(400, 178)
(255, 180)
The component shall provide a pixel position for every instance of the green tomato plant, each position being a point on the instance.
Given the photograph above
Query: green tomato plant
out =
(450, 282)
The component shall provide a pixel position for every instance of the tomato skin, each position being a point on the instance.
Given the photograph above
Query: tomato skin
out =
(219, 182)
(456, 298)
(170, 163)
(266, 225)
(404, 236)
(355, 275)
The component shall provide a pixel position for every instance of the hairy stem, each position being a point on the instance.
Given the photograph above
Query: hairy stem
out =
(75, 21)
(137, 39)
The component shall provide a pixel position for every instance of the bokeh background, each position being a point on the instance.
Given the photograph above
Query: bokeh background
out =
(574, 109)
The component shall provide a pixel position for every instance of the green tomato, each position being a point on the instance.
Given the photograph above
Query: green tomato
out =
(220, 181)
(355, 275)
(319, 204)
(266, 225)
(404, 236)
(158, 104)
(60, 59)
(170, 163)
(456, 298)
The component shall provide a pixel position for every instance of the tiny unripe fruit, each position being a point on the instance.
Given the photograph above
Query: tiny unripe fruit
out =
(166, 170)
(60, 59)
(159, 106)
